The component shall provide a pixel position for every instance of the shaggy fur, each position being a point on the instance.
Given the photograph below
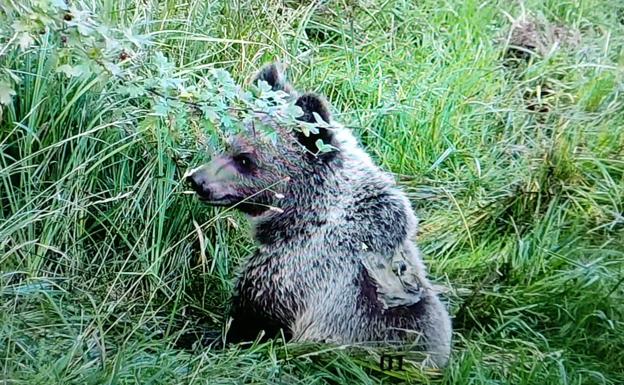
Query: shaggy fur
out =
(335, 259)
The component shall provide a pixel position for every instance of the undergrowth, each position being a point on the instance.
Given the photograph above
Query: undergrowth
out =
(513, 158)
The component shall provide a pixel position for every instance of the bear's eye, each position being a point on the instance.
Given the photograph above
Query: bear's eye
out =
(243, 161)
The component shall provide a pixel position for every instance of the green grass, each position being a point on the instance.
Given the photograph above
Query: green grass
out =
(522, 208)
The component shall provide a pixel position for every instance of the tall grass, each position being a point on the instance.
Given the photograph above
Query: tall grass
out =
(520, 192)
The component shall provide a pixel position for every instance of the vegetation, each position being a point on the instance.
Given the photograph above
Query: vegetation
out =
(503, 121)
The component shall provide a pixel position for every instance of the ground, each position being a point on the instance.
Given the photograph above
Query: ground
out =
(501, 119)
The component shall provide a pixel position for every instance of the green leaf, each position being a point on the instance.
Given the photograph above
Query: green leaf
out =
(222, 76)
(307, 128)
(261, 104)
(113, 68)
(324, 147)
(61, 4)
(132, 90)
(162, 63)
(293, 111)
(209, 113)
(139, 41)
(161, 108)
(319, 120)
(227, 122)
(81, 20)
(264, 86)
(245, 96)
(272, 137)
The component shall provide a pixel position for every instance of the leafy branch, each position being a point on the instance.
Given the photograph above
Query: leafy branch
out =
(128, 66)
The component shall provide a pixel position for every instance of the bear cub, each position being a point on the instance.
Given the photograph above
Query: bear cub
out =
(335, 260)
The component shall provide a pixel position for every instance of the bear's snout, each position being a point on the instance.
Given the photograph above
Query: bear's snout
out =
(193, 182)
(212, 189)
(199, 183)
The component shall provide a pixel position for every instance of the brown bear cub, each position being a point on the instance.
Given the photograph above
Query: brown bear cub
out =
(335, 260)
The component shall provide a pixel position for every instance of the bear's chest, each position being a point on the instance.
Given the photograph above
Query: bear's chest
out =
(281, 285)
(273, 287)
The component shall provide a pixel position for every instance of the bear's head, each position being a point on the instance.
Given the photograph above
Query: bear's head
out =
(256, 171)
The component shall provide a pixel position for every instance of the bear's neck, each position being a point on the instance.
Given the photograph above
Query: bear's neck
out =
(354, 210)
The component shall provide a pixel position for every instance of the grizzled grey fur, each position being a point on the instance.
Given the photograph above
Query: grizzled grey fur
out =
(335, 260)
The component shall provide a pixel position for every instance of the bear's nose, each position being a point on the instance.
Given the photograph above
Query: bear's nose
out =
(195, 181)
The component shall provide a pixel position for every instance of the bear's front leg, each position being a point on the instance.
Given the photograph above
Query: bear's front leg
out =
(246, 324)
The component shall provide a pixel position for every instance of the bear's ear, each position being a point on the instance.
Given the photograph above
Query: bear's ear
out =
(313, 106)
(274, 75)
